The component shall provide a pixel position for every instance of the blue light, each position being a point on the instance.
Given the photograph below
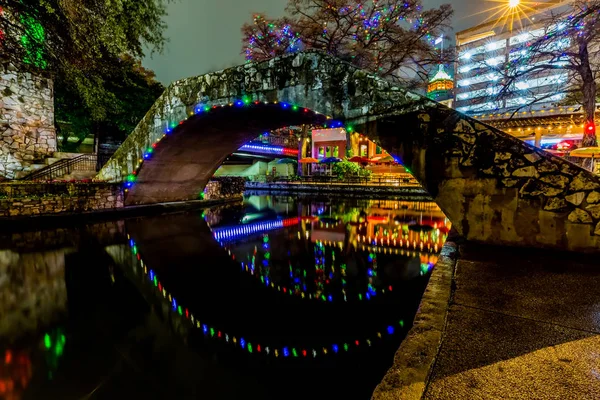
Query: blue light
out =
(262, 148)
(242, 343)
(335, 348)
(129, 184)
(146, 155)
(228, 233)
(151, 275)
(131, 243)
(174, 304)
(205, 329)
(330, 298)
(286, 352)
(284, 105)
(390, 329)
(239, 103)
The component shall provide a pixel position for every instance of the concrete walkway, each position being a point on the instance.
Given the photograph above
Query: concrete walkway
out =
(520, 325)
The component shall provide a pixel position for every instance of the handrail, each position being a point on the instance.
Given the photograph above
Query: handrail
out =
(84, 162)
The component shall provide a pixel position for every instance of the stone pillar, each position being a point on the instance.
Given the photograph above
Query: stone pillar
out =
(27, 133)
(538, 138)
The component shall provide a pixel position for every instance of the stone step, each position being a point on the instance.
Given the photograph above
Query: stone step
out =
(79, 175)
(51, 160)
(61, 155)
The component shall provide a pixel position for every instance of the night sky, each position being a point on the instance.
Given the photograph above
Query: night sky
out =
(205, 34)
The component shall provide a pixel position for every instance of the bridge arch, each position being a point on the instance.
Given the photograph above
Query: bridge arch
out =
(493, 187)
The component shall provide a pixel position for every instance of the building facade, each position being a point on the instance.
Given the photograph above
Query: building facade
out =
(485, 48)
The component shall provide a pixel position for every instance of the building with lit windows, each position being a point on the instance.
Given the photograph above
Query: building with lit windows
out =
(482, 49)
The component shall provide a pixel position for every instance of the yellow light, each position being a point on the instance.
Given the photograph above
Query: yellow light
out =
(514, 3)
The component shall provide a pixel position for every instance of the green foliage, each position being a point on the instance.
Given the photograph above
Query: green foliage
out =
(130, 90)
(78, 41)
(345, 169)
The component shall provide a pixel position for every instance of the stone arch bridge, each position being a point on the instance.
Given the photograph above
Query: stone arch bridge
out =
(494, 188)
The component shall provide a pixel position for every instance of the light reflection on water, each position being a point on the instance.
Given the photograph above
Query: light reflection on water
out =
(298, 285)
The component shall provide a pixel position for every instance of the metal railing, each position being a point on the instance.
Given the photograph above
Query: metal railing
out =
(84, 162)
(405, 181)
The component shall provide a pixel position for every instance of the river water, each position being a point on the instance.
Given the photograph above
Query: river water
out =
(281, 297)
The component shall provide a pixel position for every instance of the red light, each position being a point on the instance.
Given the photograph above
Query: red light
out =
(304, 353)
(153, 145)
(258, 348)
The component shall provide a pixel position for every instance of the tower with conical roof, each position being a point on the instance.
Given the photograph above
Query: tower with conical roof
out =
(440, 86)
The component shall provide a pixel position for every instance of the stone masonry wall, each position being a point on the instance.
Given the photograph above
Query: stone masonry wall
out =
(28, 199)
(27, 133)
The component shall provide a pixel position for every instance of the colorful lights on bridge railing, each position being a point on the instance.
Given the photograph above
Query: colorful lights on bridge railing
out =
(130, 179)
(269, 149)
(213, 332)
(228, 233)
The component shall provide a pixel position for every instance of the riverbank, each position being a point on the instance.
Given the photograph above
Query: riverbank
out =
(334, 187)
(512, 328)
(69, 219)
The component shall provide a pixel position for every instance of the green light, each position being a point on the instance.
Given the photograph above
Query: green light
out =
(155, 281)
(47, 341)
(131, 178)
(294, 352)
(150, 150)
(246, 100)
(212, 332)
(295, 108)
(349, 128)
(134, 249)
(401, 323)
(346, 346)
(206, 108)
(267, 256)
(360, 296)
(249, 348)
(179, 310)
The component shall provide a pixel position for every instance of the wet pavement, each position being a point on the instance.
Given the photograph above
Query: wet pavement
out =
(521, 325)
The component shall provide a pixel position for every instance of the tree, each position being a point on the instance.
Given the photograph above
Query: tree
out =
(564, 55)
(77, 40)
(393, 38)
(130, 91)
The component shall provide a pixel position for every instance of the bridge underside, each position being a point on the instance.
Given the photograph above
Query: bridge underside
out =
(186, 160)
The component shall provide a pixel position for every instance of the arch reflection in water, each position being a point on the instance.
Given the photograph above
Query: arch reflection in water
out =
(358, 249)
(177, 310)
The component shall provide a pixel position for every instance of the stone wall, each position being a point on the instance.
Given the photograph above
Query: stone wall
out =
(225, 187)
(27, 133)
(27, 199)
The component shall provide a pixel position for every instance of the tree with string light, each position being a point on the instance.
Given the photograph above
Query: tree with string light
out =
(565, 56)
(393, 38)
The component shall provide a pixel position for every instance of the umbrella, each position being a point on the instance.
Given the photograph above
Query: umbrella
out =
(330, 160)
(586, 152)
(385, 159)
(308, 160)
(359, 159)
(286, 161)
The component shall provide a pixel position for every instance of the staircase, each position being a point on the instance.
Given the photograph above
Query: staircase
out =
(65, 166)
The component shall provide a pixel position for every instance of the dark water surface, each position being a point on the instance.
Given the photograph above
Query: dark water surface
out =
(281, 297)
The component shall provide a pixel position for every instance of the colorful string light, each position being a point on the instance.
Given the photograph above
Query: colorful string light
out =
(176, 308)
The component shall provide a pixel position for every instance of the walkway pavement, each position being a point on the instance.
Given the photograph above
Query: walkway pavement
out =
(520, 325)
